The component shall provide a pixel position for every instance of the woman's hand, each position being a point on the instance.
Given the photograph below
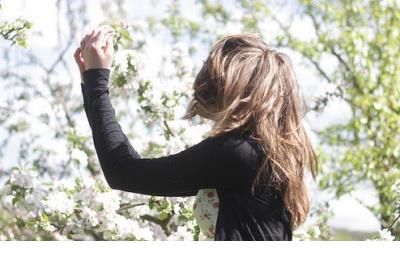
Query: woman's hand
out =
(96, 50)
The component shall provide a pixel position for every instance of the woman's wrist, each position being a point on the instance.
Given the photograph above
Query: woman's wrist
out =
(96, 76)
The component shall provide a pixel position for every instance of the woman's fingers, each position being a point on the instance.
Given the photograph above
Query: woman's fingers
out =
(77, 53)
(96, 36)
(82, 44)
(80, 61)
(96, 49)
(86, 40)
(93, 36)
(98, 39)
(78, 58)
(91, 40)
(109, 47)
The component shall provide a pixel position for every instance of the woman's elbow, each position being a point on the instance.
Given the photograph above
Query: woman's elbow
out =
(114, 185)
(114, 181)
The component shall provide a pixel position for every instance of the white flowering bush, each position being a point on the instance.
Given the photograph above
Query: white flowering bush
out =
(86, 209)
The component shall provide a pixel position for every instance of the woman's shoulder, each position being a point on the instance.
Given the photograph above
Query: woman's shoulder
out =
(240, 145)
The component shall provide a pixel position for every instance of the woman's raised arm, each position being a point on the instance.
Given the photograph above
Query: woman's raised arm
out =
(213, 163)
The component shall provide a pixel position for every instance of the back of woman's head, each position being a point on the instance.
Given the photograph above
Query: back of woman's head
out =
(245, 84)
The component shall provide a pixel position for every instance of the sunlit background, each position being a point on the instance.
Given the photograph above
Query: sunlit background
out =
(41, 83)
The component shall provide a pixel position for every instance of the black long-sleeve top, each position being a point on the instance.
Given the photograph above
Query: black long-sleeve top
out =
(227, 163)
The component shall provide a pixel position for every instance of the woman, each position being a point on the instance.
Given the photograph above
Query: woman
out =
(255, 156)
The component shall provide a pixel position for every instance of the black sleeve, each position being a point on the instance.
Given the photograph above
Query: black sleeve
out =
(212, 163)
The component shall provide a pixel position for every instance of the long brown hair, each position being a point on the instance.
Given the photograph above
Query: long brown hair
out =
(246, 84)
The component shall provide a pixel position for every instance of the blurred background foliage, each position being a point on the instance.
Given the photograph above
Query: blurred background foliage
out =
(359, 38)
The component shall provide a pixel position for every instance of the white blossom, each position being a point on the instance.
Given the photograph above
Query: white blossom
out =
(35, 198)
(176, 144)
(7, 202)
(121, 59)
(143, 233)
(385, 235)
(48, 227)
(316, 232)
(176, 208)
(58, 202)
(24, 179)
(91, 216)
(182, 234)
(301, 233)
(79, 156)
(108, 200)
